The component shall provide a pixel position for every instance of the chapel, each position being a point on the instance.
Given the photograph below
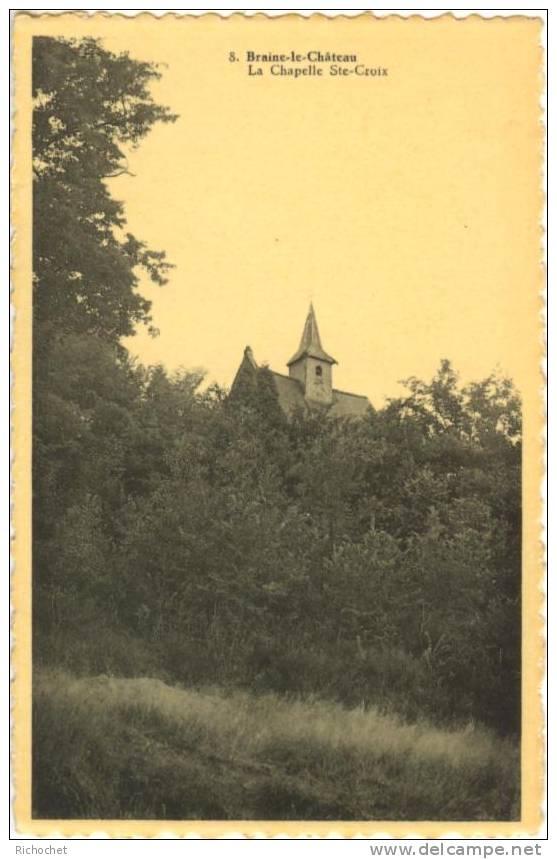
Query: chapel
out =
(309, 383)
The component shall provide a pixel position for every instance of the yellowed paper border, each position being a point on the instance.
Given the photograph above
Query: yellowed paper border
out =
(532, 753)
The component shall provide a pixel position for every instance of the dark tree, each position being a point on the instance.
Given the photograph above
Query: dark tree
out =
(90, 107)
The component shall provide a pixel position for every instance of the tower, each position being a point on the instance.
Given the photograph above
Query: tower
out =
(312, 366)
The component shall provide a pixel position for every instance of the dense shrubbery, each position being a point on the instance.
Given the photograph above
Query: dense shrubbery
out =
(375, 561)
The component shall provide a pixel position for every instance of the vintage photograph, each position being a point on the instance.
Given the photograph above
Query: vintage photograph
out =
(284, 433)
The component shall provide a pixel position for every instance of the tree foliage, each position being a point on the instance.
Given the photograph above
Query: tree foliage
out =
(246, 553)
(90, 107)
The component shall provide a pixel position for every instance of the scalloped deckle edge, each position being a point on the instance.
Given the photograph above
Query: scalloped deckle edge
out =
(532, 756)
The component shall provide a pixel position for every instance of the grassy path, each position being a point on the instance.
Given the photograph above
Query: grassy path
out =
(139, 748)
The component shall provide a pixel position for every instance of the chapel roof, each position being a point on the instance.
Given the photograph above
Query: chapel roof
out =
(291, 397)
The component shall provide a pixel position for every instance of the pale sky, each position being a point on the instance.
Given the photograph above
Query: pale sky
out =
(405, 206)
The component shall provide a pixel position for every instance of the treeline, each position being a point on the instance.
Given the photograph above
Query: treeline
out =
(203, 538)
(211, 538)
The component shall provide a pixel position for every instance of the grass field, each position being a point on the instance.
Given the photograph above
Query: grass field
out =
(139, 748)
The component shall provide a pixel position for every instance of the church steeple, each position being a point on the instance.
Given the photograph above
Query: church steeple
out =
(312, 366)
(310, 344)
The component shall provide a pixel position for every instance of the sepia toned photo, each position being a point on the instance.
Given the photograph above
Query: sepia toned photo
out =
(277, 414)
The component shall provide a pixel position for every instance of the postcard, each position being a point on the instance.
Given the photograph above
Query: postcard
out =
(277, 420)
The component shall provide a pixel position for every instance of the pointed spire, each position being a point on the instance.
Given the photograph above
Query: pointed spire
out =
(310, 344)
